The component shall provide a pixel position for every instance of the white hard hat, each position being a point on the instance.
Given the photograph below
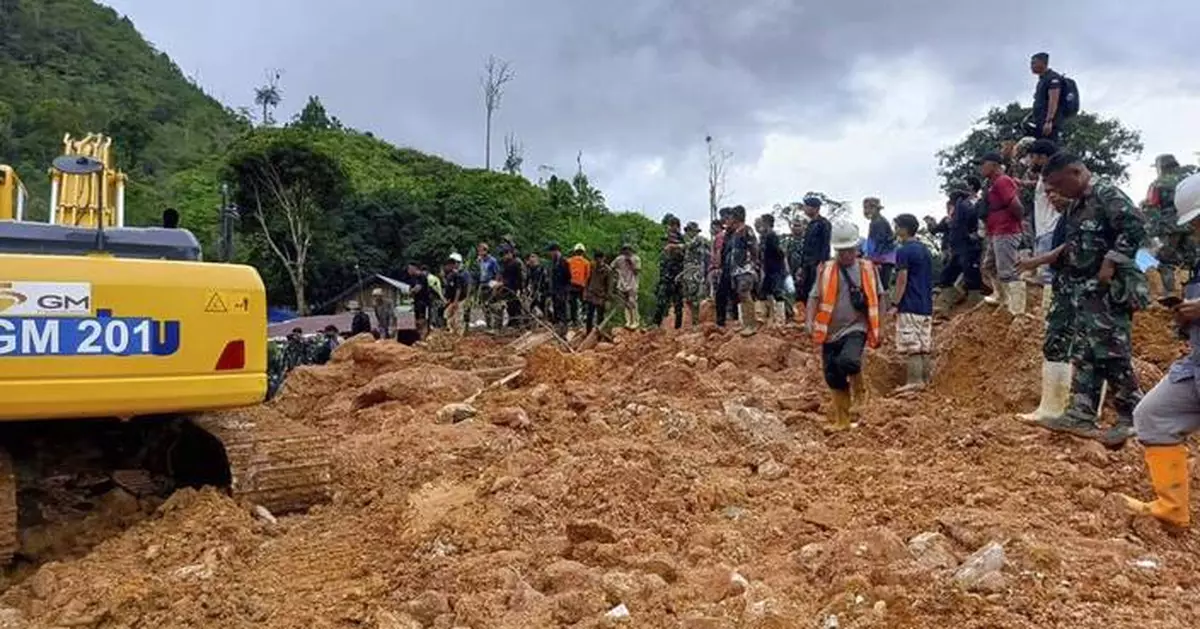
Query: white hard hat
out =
(844, 235)
(456, 257)
(1187, 199)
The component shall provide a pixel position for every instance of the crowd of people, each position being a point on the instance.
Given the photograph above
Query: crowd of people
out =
(1032, 215)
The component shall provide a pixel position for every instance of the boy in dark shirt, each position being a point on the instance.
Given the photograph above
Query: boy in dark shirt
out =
(774, 271)
(914, 304)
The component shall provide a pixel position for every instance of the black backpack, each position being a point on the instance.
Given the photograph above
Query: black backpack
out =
(1069, 97)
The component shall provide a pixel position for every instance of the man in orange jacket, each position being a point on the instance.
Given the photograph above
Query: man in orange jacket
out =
(581, 272)
(843, 316)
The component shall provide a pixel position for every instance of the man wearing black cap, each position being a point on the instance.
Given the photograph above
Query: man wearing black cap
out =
(1004, 229)
(560, 286)
(1047, 98)
(816, 247)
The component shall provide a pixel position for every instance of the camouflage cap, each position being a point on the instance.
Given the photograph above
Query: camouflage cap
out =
(1166, 160)
(670, 219)
(692, 226)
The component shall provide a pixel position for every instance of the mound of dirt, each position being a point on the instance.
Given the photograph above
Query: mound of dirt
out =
(662, 480)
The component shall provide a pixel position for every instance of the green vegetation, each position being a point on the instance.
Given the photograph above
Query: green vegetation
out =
(73, 66)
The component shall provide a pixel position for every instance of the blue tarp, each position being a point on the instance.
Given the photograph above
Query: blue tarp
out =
(278, 315)
(1145, 261)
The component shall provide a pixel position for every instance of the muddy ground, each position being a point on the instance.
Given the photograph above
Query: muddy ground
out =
(660, 480)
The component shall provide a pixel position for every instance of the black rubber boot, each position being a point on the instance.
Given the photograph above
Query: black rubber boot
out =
(1071, 425)
(1114, 438)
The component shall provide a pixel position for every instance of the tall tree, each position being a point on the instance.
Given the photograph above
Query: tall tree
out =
(588, 198)
(1105, 145)
(514, 154)
(268, 96)
(718, 159)
(314, 117)
(497, 73)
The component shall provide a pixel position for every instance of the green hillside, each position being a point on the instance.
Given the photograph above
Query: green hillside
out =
(73, 66)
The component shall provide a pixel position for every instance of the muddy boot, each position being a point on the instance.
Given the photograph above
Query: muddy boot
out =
(997, 297)
(1114, 438)
(946, 300)
(1015, 294)
(1056, 391)
(839, 412)
(749, 322)
(1069, 423)
(914, 374)
(858, 391)
(1169, 476)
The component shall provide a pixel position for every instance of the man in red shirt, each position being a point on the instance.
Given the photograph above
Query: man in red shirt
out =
(1004, 215)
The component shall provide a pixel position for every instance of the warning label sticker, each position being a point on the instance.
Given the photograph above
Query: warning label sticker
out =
(227, 302)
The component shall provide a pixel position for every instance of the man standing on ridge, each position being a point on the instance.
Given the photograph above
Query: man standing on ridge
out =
(881, 241)
(629, 268)
(843, 316)
(669, 294)
(774, 271)
(1004, 216)
(1103, 233)
(816, 249)
(914, 304)
(385, 313)
(740, 266)
(559, 283)
(581, 271)
(456, 288)
(795, 261)
(722, 290)
(695, 265)
(1170, 240)
(1047, 99)
(1045, 215)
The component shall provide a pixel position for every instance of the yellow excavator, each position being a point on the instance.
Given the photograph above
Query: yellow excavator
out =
(127, 361)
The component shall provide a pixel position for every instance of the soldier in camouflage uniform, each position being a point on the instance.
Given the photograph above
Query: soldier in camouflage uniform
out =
(1171, 240)
(741, 265)
(692, 280)
(670, 267)
(1103, 230)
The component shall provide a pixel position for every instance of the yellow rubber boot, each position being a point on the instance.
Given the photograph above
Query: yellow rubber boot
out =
(1169, 476)
(839, 412)
(858, 391)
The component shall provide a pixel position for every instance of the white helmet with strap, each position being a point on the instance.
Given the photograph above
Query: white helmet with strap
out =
(844, 235)
(1187, 199)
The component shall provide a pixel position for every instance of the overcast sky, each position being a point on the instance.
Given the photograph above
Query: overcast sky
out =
(852, 97)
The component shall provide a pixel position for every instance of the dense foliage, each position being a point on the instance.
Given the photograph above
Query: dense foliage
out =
(1105, 145)
(384, 206)
(73, 66)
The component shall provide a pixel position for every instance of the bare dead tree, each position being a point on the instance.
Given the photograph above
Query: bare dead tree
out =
(293, 210)
(514, 154)
(497, 72)
(718, 160)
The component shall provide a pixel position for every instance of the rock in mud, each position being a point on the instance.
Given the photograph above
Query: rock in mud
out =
(581, 531)
(981, 572)
(932, 551)
(454, 413)
(428, 606)
(512, 417)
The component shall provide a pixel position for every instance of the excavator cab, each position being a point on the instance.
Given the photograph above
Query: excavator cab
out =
(113, 330)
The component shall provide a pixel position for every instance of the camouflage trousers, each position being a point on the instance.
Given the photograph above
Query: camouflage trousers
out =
(669, 294)
(1060, 327)
(1101, 351)
(1173, 254)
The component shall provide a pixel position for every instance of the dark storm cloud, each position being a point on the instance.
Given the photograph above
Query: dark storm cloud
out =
(632, 78)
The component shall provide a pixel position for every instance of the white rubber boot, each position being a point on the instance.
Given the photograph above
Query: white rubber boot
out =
(1047, 299)
(1056, 392)
(780, 314)
(997, 296)
(1015, 294)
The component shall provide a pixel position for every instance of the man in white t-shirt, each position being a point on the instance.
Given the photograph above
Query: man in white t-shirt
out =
(1045, 217)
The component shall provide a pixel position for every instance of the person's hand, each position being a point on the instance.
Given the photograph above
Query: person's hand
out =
(1028, 264)
(1048, 128)
(893, 311)
(1107, 270)
(1188, 311)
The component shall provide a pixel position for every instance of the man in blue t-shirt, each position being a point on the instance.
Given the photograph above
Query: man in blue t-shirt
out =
(914, 304)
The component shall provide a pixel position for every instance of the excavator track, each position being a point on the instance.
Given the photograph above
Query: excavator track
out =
(9, 541)
(273, 461)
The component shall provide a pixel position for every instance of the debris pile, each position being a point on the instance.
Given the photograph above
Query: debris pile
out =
(657, 480)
